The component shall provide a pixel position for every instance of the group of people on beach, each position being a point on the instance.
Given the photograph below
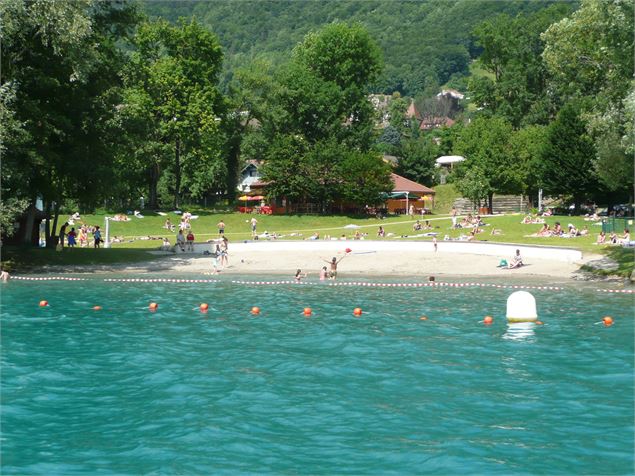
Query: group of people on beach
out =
(80, 237)
(614, 239)
(557, 230)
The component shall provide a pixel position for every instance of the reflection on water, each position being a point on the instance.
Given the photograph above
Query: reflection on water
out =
(520, 331)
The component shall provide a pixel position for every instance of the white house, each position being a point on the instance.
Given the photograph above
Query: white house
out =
(248, 175)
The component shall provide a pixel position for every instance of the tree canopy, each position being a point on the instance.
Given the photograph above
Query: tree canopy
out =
(423, 42)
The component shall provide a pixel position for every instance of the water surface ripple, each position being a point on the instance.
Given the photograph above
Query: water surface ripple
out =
(126, 391)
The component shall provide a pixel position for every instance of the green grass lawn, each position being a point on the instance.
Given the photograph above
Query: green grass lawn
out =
(294, 227)
(444, 198)
(21, 259)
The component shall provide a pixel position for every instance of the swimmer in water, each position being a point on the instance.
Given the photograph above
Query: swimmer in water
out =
(334, 262)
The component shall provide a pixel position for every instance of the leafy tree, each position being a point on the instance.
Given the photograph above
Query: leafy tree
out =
(320, 103)
(285, 169)
(589, 56)
(61, 62)
(254, 146)
(485, 145)
(10, 209)
(613, 167)
(397, 115)
(309, 105)
(567, 167)
(171, 86)
(366, 177)
(421, 41)
(342, 54)
(474, 185)
(512, 49)
(323, 165)
(591, 52)
(527, 149)
(417, 159)
(346, 60)
(390, 136)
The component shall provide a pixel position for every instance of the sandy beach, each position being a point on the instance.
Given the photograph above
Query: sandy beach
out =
(381, 258)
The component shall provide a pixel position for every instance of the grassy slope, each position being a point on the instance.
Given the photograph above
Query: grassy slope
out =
(444, 198)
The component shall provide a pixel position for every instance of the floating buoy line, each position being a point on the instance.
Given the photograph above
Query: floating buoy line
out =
(432, 284)
(523, 311)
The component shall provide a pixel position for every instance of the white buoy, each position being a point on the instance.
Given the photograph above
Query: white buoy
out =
(521, 307)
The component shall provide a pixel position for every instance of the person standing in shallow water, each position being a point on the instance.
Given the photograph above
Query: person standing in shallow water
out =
(334, 262)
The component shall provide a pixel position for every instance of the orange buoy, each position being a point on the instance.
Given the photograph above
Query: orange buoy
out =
(204, 307)
(357, 311)
(608, 321)
(97, 308)
(153, 306)
(44, 303)
(255, 310)
(307, 311)
(538, 323)
(423, 318)
(487, 320)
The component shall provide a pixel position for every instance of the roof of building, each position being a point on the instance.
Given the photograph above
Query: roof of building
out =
(402, 184)
(412, 111)
(451, 92)
(432, 122)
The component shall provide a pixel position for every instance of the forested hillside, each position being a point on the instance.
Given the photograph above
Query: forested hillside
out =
(425, 43)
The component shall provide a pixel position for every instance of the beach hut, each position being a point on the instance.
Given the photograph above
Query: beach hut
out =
(405, 193)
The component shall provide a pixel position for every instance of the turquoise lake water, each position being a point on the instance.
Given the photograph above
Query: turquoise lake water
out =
(126, 391)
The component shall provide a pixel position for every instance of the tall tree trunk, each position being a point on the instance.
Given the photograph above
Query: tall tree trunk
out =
(47, 227)
(576, 205)
(490, 202)
(53, 236)
(152, 186)
(28, 228)
(177, 173)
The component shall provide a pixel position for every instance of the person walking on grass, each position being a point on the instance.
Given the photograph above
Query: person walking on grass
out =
(221, 228)
(254, 224)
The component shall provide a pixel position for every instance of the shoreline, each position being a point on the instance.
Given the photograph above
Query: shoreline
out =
(367, 258)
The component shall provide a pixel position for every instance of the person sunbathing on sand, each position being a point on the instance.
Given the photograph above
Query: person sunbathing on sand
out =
(544, 231)
(516, 261)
